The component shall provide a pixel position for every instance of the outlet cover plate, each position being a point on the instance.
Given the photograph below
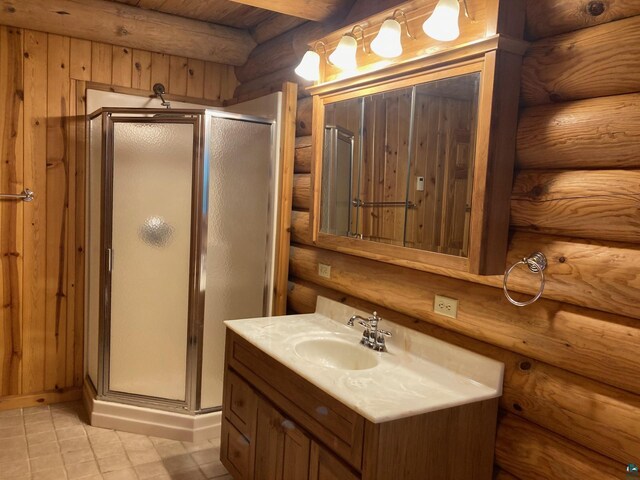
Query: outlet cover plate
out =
(446, 306)
(324, 270)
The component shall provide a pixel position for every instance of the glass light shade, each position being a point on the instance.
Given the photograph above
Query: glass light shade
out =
(443, 23)
(309, 67)
(344, 56)
(387, 43)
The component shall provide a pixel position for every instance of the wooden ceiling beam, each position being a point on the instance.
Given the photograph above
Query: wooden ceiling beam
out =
(130, 26)
(316, 10)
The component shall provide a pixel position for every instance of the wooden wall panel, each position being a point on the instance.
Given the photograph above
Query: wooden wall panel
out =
(11, 213)
(599, 204)
(576, 197)
(57, 195)
(122, 67)
(581, 64)
(141, 78)
(43, 78)
(594, 133)
(546, 18)
(35, 218)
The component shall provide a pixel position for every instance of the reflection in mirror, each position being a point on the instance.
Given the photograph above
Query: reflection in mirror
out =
(398, 166)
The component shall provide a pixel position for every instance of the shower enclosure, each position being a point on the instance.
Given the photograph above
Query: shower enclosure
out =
(181, 207)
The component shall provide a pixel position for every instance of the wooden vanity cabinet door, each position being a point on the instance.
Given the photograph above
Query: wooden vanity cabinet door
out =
(323, 465)
(282, 449)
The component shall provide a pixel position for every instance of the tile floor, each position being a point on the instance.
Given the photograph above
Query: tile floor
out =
(55, 443)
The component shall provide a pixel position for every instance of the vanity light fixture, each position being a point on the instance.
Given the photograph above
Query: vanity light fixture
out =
(309, 66)
(388, 43)
(344, 56)
(443, 23)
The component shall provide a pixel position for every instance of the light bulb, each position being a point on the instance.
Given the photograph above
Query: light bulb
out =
(344, 56)
(387, 43)
(443, 23)
(309, 67)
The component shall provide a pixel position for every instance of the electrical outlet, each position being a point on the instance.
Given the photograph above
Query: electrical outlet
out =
(324, 270)
(446, 306)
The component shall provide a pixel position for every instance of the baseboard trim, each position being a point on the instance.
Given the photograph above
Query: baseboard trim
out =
(147, 421)
(43, 398)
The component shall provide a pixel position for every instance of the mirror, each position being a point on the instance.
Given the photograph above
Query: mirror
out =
(397, 166)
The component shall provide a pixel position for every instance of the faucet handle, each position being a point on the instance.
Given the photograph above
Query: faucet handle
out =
(364, 324)
(386, 333)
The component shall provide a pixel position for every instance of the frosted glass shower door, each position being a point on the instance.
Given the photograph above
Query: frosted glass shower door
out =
(240, 215)
(151, 245)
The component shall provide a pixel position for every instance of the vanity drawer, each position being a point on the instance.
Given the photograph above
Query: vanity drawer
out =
(235, 451)
(334, 424)
(240, 403)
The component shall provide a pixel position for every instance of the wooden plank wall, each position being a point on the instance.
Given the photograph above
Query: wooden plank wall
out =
(571, 403)
(42, 242)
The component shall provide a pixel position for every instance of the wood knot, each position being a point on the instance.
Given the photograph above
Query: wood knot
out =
(62, 12)
(122, 31)
(537, 191)
(138, 66)
(595, 8)
(26, 54)
(525, 366)
(517, 407)
(555, 98)
(562, 259)
(11, 9)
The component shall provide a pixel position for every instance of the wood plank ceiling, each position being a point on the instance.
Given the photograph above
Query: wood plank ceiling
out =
(263, 24)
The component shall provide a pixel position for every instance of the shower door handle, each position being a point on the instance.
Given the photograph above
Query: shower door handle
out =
(109, 260)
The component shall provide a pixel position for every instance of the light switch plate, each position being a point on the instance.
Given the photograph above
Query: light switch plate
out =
(324, 270)
(446, 306)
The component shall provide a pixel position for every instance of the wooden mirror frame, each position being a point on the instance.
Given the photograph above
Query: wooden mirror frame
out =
(498, 60)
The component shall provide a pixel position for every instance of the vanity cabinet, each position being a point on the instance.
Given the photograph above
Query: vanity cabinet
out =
(277, 425)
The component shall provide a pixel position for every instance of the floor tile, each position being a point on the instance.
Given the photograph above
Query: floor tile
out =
(206, 456)
(150, 470)
(56, 443)
(171, 449)
(14, 421)
(46, 462)
(84, 469)
(140, 457)
(192, 474)
(78, 456)
(108, 450)
(104, 438)
(13, 453)
(34, 410)
(113, 463)
(15, 431)
(39, 427)
(57, 473)
(37, 418)
(125, 474)
(42, 437)
(10, 470)
(71, 444)
(178, 463)
(42, 449)
(213, 470)
(13, 442)
(16, 412)
(70, 432)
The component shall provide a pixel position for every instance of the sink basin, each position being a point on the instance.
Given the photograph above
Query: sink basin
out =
(336, 353)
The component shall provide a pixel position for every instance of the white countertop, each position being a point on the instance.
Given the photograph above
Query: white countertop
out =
(418, 374)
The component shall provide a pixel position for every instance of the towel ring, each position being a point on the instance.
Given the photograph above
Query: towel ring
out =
(537, 263)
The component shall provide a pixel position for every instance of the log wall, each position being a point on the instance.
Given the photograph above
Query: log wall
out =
(571, 403)
(41, 243)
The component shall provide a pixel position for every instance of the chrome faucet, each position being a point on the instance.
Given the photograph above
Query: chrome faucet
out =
(372, 337)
